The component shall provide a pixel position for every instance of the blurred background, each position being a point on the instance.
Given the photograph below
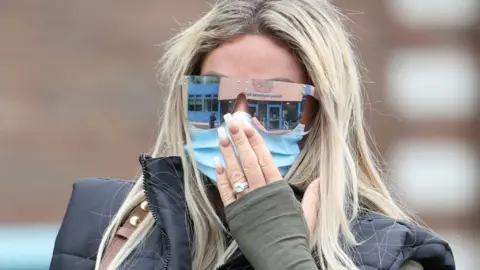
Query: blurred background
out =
(79, 98)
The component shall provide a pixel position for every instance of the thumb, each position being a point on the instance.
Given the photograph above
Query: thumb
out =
(310, 205)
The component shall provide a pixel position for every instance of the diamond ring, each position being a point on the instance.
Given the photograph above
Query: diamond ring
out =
(239, 187)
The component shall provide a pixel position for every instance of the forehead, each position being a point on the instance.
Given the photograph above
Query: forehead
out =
(254, 56)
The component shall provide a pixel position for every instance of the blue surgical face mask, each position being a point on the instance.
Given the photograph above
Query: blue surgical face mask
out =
(283, 147)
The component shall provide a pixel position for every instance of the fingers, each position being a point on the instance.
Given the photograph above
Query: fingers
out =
(259, 125)
(265, 160)
(310, 205)
(234, 170)
(248, 158)
(223, 184)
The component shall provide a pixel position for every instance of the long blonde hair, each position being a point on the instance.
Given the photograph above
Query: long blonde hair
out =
(338, 151)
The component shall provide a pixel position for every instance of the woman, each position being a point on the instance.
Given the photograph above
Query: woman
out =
(219, 199)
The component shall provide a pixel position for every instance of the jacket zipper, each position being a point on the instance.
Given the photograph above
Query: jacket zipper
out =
(231, 259)
(146, 176)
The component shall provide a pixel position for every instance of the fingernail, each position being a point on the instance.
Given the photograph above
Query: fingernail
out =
(222, 134)
(218, 165)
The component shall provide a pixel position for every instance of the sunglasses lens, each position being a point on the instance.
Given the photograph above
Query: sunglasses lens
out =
(275, 107)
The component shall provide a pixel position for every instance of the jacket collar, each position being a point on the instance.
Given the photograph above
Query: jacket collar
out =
(164, 191)
(163, 185)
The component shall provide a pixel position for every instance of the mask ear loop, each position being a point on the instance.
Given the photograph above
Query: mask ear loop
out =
(305, 132)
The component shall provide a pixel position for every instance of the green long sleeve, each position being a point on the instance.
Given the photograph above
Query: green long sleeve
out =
(270, 229)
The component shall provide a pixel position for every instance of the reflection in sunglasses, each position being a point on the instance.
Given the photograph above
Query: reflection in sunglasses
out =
(262, 128)
(275, 106)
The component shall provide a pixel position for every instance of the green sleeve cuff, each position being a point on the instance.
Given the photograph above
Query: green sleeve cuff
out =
(270, 229)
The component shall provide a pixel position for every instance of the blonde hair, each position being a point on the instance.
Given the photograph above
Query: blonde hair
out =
(338, 151)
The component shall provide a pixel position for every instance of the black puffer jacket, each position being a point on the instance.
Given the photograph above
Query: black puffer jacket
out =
(386, 243)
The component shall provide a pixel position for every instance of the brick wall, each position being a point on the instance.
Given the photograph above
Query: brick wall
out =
(78, 95)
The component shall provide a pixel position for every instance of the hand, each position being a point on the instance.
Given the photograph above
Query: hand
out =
(256, 167)
(259, 125)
